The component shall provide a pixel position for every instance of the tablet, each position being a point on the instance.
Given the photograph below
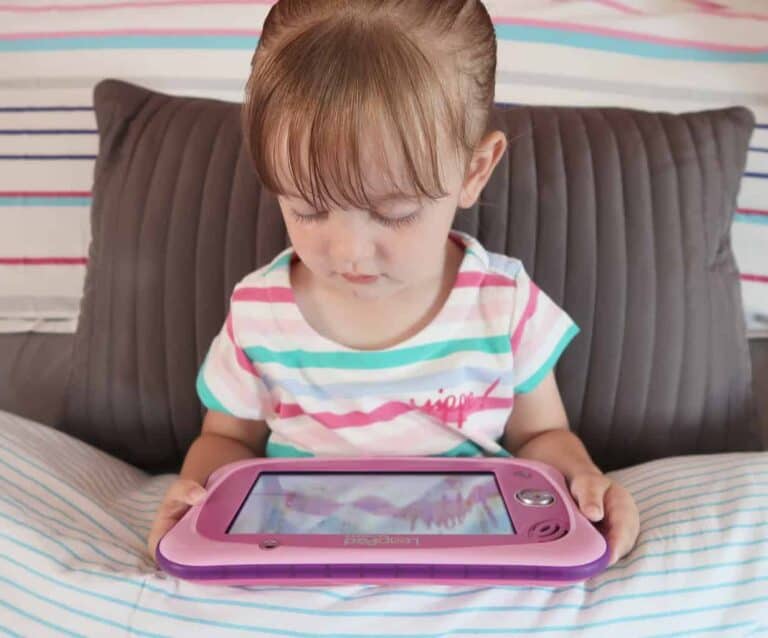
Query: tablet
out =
(319, 521)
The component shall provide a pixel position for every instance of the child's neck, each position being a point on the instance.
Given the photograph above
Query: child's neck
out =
(371, 324)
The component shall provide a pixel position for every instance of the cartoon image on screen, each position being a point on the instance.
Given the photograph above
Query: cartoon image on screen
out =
(358, 503)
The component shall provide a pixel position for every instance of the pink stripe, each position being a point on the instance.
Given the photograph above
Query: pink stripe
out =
(274, 293)
(385, 412)
(530, 309)
(760, 279)
(482, 280)
(45, 193)
(629, 35)
(95, 34)
(619, 6)
(242, 359)
(752, 211)
(718, 10)
(43, 261)
(18, 8)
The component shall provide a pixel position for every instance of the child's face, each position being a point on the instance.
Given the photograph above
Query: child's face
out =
(375, 254)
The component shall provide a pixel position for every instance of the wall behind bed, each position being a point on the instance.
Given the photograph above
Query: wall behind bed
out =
(667, 55)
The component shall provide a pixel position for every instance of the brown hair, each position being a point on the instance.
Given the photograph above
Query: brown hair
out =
(327, 74)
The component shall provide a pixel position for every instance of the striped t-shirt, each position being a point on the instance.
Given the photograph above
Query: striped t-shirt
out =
(446, 391)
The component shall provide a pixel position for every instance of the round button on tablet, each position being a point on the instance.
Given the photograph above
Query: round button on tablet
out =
(269, 543)
(535, 498)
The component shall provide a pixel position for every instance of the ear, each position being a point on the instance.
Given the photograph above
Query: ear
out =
(484, 160)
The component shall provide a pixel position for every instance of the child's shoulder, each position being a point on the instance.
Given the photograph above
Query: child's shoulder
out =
(495, 263)
(270, 275)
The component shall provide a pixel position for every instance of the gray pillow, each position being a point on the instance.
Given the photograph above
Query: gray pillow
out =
(622, 216)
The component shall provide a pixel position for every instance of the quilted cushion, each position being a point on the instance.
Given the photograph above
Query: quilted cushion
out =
(622, 216)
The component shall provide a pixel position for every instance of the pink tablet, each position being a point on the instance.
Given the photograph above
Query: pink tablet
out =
(326, 521)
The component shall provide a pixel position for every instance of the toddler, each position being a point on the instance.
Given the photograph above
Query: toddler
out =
(381, 331)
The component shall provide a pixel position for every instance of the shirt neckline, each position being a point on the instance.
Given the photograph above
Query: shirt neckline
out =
(471, 250)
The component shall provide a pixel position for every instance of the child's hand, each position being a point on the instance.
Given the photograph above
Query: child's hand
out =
(177, 500)
(601, 499)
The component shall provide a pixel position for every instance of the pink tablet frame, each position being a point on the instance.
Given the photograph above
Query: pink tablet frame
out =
(552, 544)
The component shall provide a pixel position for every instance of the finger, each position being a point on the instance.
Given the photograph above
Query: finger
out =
(589, 495)
(187, 492)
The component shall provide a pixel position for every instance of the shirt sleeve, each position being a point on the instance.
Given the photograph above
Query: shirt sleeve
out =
(229, 382)
(540, 330)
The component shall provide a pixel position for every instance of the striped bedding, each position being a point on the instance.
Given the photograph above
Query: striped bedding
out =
(673, 55)
(73, 522)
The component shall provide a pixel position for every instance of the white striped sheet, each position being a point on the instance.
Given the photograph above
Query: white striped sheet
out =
(32, 285)
(751, 240)
(666, 600)
(26, 231)
(182, 63)
(57, 175)
(87, 144)
(603, 65)
(753, 194)
(757, 162)
(198, 17)
(54, 326)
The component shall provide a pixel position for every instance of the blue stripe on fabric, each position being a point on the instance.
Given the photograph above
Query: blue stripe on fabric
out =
(559, 36)
(743, 475)
(45, 201)
(732, 489)
(43, 109)
(451, 378)
(138, 41)
(70, 503)
(701, 532)
(751, 219)
(145, 585)
(47, 157)
(73, 610)
(710, 465)
(626, 46)
(531, 382)
(756, 175)
(51, 131)
(37, 619)
(698, 505)
(703, 630)
(69, 550)
(698, 519)
(690, 476)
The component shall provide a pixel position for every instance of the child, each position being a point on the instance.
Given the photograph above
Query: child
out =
(381, 331)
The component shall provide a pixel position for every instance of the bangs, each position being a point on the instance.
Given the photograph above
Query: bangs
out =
(341, 102)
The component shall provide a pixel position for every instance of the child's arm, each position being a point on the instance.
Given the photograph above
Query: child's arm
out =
(223, 439)
(538, 429)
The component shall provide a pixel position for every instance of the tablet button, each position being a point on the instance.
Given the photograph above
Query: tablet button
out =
(269, 543)
(535, 498)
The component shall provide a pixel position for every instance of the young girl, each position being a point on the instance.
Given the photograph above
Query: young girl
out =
(381, 331)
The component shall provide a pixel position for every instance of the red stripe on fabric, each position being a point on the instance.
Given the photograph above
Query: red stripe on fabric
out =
(530, 309)
(33, 35)
(242, 359)
(760, 279)
(274, 293)
(482, 280)
(43, 261)
(18, 8)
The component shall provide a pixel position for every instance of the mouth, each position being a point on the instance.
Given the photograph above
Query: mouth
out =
(360, 279)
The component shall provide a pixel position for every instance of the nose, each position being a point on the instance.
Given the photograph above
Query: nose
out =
(352, 242)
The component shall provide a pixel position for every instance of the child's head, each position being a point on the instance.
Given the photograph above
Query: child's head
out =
(350, 101)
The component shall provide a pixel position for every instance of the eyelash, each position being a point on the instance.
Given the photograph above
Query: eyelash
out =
(385, 221)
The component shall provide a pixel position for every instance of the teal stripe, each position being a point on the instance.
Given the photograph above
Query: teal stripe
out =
(45, 201)
(703, 630)
(37, 619)
(44, 471)
(619, 44)
(73, 610)
(760, 220)
(560, 36)
(207, 397)
(287, 451)
(743, 475)
(728, 489)
(372, 360)
(279, 263)
(531, 382)
(72, 43)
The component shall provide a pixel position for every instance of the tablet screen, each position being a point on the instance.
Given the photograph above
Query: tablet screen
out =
(386, 503)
